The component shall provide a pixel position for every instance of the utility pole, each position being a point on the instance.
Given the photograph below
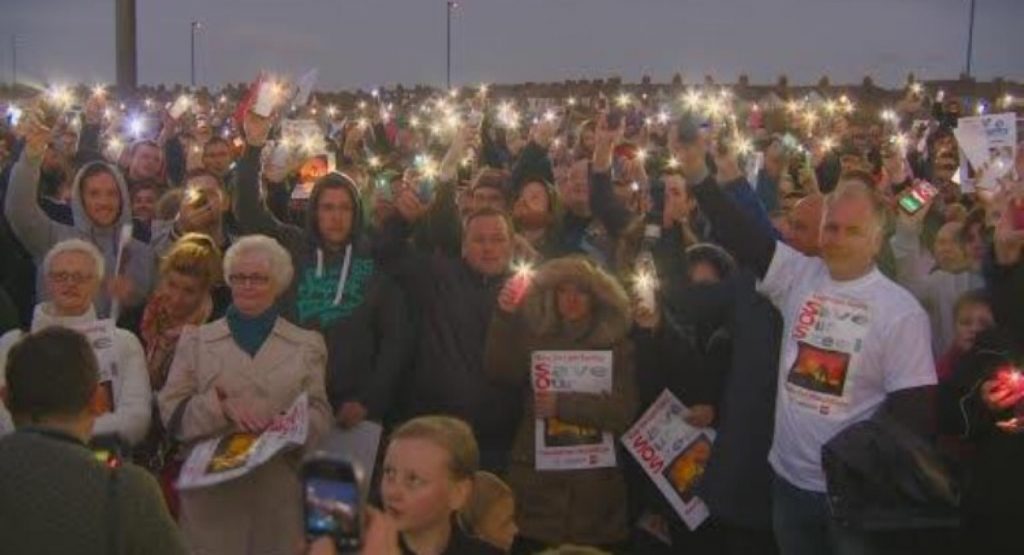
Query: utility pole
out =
(127, 61)
(970, 39)
(14, 60)
(192, 50)
(450, 6)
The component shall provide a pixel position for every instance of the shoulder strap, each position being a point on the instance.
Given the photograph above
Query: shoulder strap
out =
(114, 540)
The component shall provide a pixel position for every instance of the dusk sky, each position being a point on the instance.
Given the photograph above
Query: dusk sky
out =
(361, 43)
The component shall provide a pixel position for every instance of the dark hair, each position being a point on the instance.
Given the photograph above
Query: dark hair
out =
(713, 255)
(92, 170)
(196, 173)
(215, 140)
(52, 372)
(487, 212)
(970, 298)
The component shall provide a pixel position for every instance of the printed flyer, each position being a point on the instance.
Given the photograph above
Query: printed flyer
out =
(673, 454)
(560, 445)
(228, 457)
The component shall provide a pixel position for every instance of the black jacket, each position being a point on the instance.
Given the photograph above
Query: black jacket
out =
(737, 481)
(454, 306)
(994, 481)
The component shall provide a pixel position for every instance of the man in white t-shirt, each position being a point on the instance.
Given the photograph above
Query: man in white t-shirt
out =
(852, 340)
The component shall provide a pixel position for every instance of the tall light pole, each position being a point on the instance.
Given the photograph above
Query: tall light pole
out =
(192, 50)
(970, 39)
(127, 66)
(14, 60)
(450, 6)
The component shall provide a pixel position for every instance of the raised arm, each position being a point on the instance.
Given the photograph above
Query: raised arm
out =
(603, 203)
(735, 229)
(36, 231)
(250, 211)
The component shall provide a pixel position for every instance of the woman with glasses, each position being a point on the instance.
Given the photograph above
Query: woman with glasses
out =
(232, 376)
(72, 273)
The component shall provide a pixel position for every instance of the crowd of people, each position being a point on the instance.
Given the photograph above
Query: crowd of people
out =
(827, 285)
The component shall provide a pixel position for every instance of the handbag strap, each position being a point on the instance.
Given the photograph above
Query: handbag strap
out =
(114, 540)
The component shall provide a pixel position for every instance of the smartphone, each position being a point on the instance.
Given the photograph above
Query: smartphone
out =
(614, 118)
(266, 99)
(688, 130)
(475, 118)
(1017, 213)
(919, 195)
(179, 107)
(332, 501)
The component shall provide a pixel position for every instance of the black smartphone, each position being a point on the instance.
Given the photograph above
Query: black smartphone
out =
(688, 129)
(614, 117)
(332, 500)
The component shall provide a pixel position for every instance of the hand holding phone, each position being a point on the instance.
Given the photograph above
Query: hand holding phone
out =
(333, 505)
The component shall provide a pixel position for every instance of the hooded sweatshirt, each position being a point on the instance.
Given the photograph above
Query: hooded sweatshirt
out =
(340, 292)
(129, 386)
(38, 233)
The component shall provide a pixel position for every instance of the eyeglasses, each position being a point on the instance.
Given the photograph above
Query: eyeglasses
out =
(76, 278)
(252, 279)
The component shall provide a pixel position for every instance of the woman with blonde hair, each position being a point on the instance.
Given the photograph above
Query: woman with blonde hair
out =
(190, 292)
(490, 513)
(427, 479)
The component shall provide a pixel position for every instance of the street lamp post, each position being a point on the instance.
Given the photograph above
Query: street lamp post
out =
(192, 50)
(450, 5)
(970, 39)
(14, 59)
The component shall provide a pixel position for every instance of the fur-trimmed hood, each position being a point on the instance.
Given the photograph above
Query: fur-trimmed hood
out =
(610, 306)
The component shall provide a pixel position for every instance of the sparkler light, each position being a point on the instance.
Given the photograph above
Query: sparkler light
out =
(99, 90)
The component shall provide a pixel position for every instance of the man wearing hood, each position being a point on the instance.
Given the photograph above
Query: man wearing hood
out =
(337, 289)
(101, 211)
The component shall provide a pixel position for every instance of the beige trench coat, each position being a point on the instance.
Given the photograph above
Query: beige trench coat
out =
(260, 513)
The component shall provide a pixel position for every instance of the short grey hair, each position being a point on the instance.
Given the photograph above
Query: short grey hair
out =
(277, 257)
(849, 188)
(75, 245)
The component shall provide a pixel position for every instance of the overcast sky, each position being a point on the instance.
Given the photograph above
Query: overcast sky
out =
(361, 43)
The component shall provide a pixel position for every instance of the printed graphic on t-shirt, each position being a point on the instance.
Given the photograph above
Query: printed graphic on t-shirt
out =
(316, 294)
(829, 333)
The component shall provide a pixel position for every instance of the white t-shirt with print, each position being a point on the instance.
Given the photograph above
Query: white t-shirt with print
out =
(845, 345)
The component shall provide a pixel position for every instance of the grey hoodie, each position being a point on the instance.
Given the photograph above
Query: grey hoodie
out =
(38, 233)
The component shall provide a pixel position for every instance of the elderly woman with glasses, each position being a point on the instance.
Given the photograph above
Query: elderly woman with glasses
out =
(72, 272)
(233, 376)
